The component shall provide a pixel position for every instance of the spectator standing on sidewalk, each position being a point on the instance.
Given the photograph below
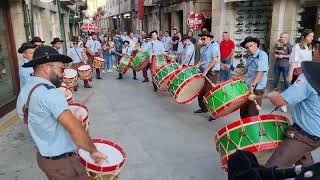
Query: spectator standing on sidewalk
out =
(192, 39)
(166, 41)
(302, 51)
(106, 54)
(226, 50)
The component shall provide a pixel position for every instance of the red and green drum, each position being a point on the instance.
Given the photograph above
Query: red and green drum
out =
(124, 64)
(226, 97)
(162, 76)
(186, 84)
(260, 135)
(157, 62)
(140, 61)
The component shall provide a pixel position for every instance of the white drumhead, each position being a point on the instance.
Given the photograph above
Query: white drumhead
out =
(78, 111)
(70, 73)
(84, 67)
(114, 155)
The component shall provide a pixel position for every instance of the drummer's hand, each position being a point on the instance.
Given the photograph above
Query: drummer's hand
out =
(205, 73)
(98, 157)
(251, 88)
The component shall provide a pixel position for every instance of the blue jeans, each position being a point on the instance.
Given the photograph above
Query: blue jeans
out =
(278, 69)
(107, 60)
(225, 75)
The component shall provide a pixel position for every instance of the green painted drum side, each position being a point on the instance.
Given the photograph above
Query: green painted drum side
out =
(139, 59)
(252, 131)
(164, 72)
(123, 63)
(180, 78)
(225, 94)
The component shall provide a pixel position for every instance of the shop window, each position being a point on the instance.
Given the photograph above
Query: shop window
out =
(7, 93)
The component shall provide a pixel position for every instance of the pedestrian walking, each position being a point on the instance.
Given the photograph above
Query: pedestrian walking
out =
(55, 131)
(226, 50)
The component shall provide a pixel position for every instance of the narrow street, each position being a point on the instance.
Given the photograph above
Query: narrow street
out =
(163, 140)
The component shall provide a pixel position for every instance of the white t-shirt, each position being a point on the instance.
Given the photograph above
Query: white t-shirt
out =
(299, 55)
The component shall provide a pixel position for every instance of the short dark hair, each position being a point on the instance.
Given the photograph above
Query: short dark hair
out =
(166, 31)
(175, 29)
(153, 32)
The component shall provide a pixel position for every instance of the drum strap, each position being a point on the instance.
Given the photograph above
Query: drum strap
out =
(25, 108)
(152, 47)
(191, 58)
(77, 53)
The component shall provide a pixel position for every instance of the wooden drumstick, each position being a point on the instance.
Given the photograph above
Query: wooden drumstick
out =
(212, 84)
(252, 97)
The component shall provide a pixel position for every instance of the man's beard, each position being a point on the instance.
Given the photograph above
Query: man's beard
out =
(56, 80)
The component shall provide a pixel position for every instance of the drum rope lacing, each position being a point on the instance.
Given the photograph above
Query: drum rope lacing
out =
(243, 91)
(243, 133)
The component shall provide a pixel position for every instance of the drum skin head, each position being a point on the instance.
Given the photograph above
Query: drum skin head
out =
(70, 73)
(84, 67)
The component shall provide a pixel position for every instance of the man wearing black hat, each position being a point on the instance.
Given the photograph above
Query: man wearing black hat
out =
(76, 54)
(304, 135)
(94, 48)
(37, 41)
(126, 50)
(256, 68)
(154, 48)
(25, 74)
(54, 129)
(209, 66)
(188, 50)
(57, 43)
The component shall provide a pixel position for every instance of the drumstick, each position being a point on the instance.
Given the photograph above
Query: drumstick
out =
(212, 84)
(252, 97)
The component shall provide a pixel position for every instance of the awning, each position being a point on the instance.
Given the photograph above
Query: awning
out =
(206, 13)
(234, 0)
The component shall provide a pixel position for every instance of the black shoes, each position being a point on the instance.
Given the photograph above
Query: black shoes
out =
(145, 80)
(135, 78)
(200, 111)
(99, 78)
(211, 119)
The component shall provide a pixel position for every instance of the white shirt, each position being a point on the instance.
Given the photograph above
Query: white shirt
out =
(299, 55)
(132, 42)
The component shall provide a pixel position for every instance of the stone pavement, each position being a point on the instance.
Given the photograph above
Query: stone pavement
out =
(163, 140)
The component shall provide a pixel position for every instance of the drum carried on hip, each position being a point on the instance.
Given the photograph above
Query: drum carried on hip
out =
(109, 170)
(156, 62)
(226, 97)
(163, 74)
(85, 72)
(258, 134)
(98, 63)
(70, 77)
(186, 84)
(140, 61)
(124, 64)
(67, 93)
(81, 112)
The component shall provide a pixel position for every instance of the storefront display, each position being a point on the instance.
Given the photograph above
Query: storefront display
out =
(252, 19)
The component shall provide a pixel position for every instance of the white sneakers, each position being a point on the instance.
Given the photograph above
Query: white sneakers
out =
(109, 70)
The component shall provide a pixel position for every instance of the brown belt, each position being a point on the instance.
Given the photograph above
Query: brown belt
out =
(62, 156)
(298, 128)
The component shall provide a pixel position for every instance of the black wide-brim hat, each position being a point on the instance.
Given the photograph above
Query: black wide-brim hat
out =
(25, 46)
(45, 54)
(205, 33)
(55, 40)
(184, 37)
(36, 39)
(250, 39)
(310, 70)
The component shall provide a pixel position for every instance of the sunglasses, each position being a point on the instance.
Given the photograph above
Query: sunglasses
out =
(203, 38)
(75, 43)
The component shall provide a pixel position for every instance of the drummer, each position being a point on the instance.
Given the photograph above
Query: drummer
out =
(304, 135)
(256, 68)
(127, 50)
(154, 48)
(209, 60)
(55, 131)
(188, 50)
(25, 74)
(76, 54)
(94, 48)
